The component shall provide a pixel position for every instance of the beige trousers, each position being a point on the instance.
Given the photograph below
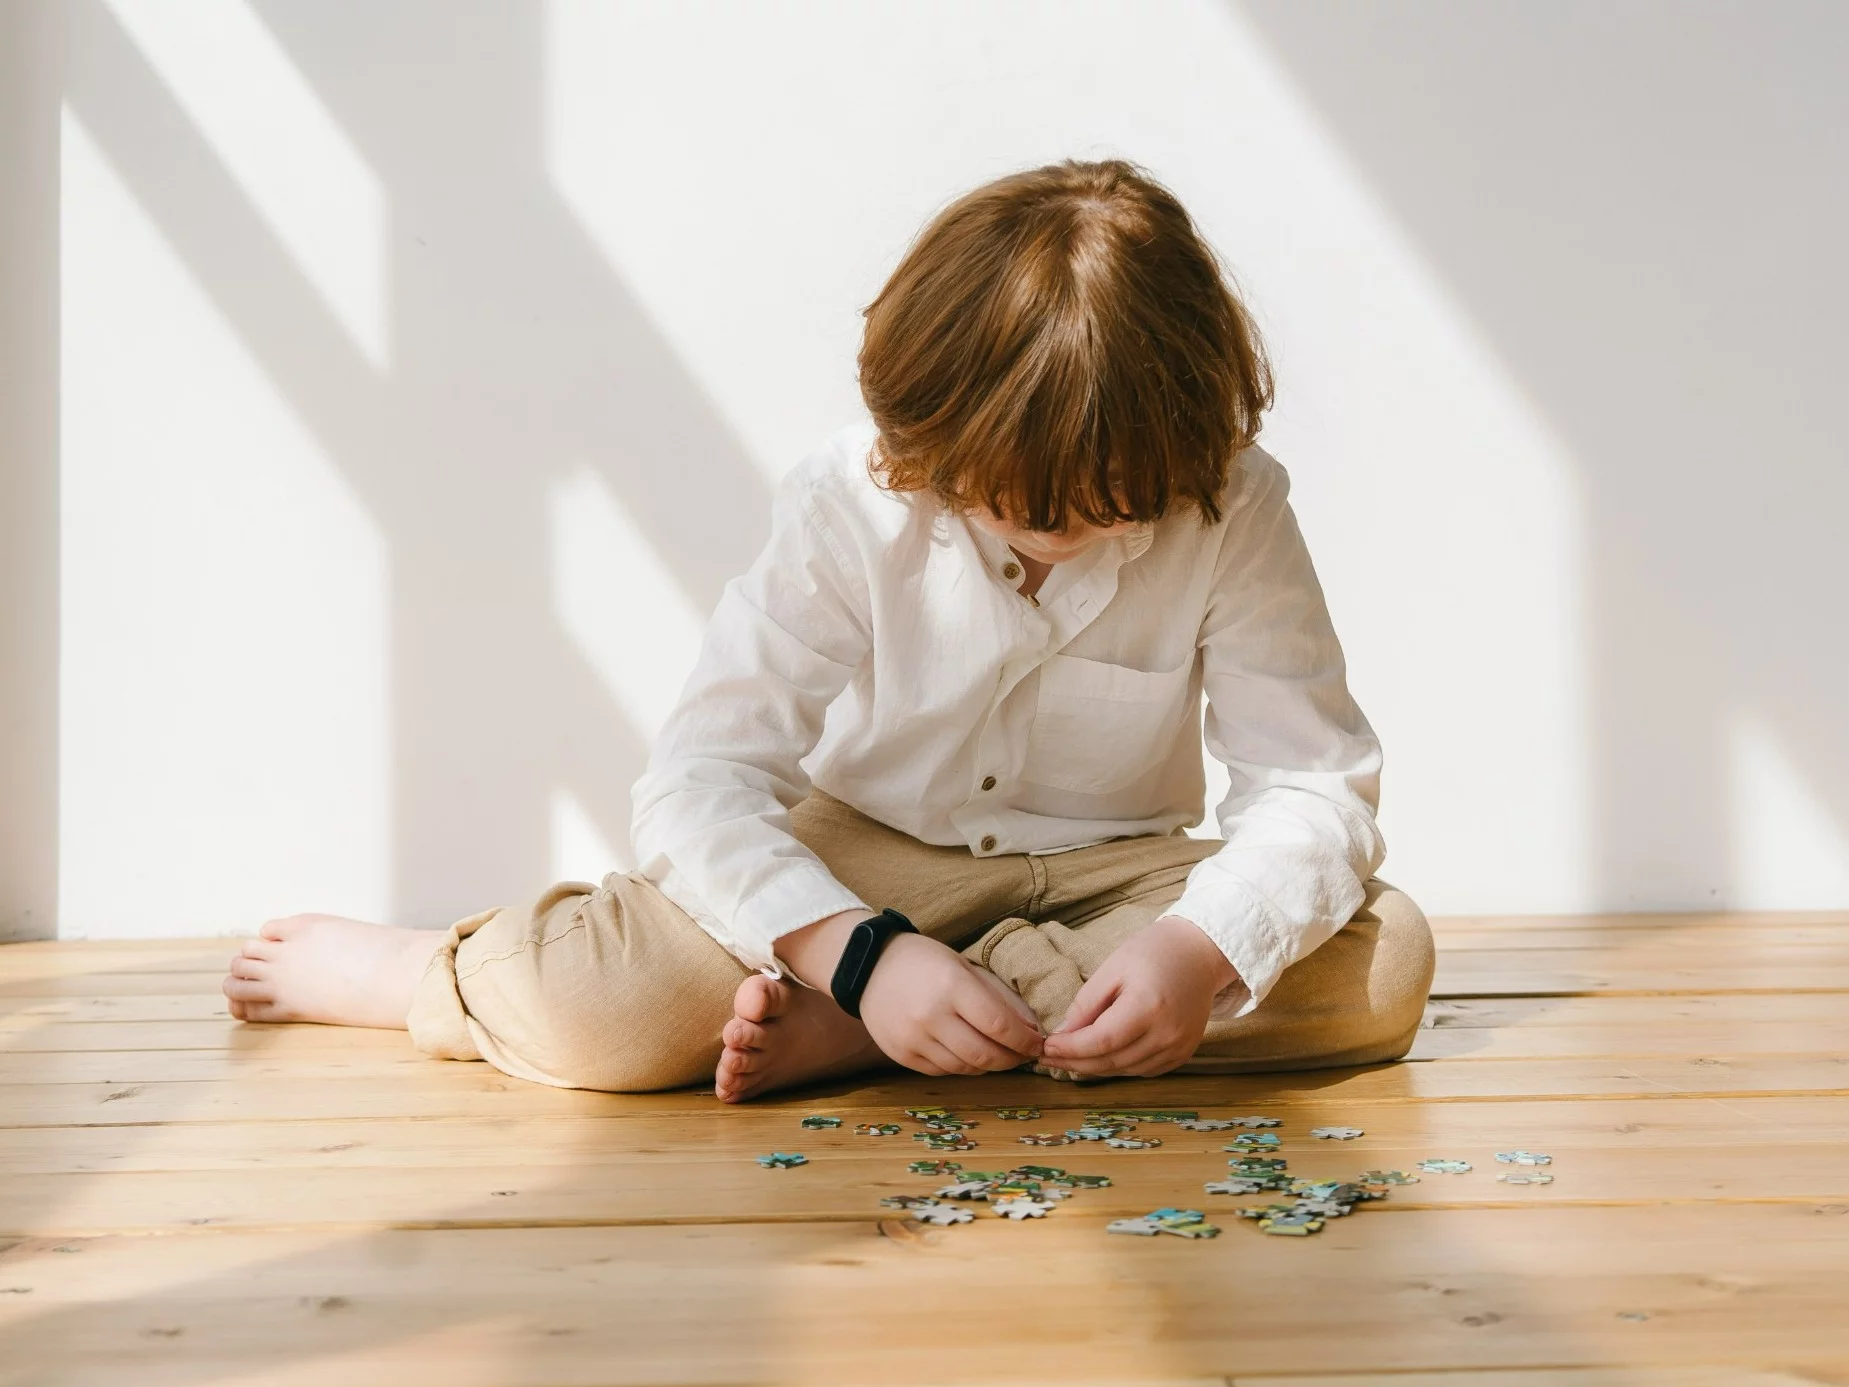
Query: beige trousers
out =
(615, 987)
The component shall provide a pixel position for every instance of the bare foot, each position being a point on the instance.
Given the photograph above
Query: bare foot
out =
(329, 969)
(781, 1034)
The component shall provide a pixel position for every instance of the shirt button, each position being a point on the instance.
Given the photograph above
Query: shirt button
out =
(1011, 571)
(988, 842)
(988, 782)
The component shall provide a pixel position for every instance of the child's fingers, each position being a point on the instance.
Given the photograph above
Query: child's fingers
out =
(1011, 999)
(973, 1047)
(928, 1057)
(1110, 1035)
(1097, 994)
(982, 1008)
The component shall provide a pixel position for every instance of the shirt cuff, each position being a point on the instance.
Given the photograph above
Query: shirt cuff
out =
(798, 896)
(1241, 927)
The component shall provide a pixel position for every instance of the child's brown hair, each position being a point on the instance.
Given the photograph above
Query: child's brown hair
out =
(1059, 344)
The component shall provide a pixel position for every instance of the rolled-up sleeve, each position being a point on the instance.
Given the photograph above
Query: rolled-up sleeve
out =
(711, 822)
(1298, 821)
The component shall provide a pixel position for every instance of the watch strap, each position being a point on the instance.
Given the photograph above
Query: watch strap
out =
(865, 943)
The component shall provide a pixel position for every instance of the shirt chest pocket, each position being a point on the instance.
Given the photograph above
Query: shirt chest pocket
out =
(1098, 726)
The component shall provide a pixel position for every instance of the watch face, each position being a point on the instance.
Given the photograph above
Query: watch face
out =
(859, 945)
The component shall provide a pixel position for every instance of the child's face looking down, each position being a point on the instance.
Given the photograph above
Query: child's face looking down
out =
(1046, 546)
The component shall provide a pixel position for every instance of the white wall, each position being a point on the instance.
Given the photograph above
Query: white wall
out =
(29, 68)
(426, 367)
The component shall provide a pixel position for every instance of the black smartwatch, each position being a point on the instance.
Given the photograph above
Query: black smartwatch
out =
(864, 946)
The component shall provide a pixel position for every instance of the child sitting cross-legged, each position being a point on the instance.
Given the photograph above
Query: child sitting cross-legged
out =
(922, 800)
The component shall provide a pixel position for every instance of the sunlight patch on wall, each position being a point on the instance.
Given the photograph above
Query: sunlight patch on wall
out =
(619, 603)
(1789, 853)
(580, 849)
(224, 740)
(280, 144)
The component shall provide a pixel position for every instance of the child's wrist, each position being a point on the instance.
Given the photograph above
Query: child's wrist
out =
(1198, 944)
(811, 953)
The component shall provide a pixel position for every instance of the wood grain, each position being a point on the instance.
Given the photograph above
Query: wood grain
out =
(1711, 1286)
(184, 1199)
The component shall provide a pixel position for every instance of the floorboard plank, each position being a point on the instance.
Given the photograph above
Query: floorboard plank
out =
(1662, 1125)
(1532, 972)
(842, 1303)
(440, 1089)
(720, 1182)
(17, 1013)
(1749, 1012)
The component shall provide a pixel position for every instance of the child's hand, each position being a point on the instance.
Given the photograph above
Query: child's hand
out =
(1145, 1010)
(931, 1010)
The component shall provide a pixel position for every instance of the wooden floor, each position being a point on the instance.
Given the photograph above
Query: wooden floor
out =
(186, 1201)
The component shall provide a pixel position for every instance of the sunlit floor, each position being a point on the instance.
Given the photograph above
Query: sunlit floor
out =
(187, 1201)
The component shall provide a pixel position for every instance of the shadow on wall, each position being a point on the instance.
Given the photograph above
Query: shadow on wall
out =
(499, 385)
(1643, 208)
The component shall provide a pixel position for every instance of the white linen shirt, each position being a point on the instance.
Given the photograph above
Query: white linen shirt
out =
(878, 649)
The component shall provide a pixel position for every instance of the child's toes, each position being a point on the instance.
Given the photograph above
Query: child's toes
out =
(730, 1081)
(253, 969)
(249, 991)
(740, 1034)
(280, 930)
(760, 999)
(259, 947)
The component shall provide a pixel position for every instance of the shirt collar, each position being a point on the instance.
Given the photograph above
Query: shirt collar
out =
(997, 555)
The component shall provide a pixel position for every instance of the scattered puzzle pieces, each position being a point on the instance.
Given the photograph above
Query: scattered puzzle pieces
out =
(1176, 1216)
(1182, 1223)
(1254, 1141)
(1019, 1207)
(818, 1123)
(1033, 1191)
(943, 1141)
(1256, 1165)
(1316, 1189)
(1039, 1172)
(1134, 1115)
(1300, 1222)
(1135, 1227)
(943, 1215)
(1237, 1185)
(782, 1160)
(965, 1189)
